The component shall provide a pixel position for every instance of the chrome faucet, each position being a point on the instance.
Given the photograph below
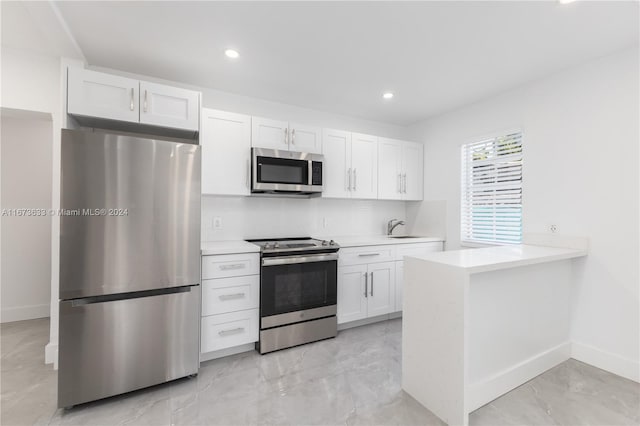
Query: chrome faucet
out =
(391, 226)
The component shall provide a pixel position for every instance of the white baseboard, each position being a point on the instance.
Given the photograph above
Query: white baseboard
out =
(358, 323)
(480, 393)
(627, 368)
(51, 354)
(21, 313)
(227, 352)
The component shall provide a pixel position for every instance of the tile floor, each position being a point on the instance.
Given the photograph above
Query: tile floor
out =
(353, 379)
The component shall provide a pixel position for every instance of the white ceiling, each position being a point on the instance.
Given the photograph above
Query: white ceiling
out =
(341, 56)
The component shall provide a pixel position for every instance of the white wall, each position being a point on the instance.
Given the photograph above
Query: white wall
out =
(265, 217)
(25, 151)
(581, 137)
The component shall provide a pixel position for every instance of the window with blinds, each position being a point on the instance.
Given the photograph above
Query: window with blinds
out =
(492, 190)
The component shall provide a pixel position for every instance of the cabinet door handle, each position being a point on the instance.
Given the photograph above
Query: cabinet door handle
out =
(231, 331)
(145, 101)
(372, 284)
(349, 179)
(355, 179)
(286, 136)
(368, 254)
(405, 183)
(366, 284)
(230, 296)
(293, 136)
(131, 104)
(232, 267)
(399, 183)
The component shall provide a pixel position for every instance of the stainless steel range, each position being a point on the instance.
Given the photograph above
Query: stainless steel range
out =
(298, 292)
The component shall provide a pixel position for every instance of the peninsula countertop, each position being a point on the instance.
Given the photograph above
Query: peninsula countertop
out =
(501, 257)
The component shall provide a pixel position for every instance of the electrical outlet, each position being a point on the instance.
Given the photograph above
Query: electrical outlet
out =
(553, 229)
(217, 222)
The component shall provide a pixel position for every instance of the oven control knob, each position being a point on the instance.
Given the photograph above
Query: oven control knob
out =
(276, 245)
(266, 246)
(332, 243)
(325, 242)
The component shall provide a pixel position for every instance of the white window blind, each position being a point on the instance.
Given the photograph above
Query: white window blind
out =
(492, 190)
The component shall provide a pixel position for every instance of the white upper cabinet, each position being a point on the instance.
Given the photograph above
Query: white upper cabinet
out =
(400, 170)
(364, 165)
(336, 148)
(304, 138)
(225, 139)
(267, 133)
(105, 96)
(351, 164)
(413, 169)
(96, 94)
(169, 106)
(276, 134)
(389, 169)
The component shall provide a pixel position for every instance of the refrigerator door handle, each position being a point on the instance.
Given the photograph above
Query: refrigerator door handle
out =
(132, 295)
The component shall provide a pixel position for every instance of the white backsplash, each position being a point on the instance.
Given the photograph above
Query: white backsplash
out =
(265, 217)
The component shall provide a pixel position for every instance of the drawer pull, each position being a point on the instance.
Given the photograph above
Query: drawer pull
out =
(233, 266)
(230, 296)
(232, 331)
(368, 254)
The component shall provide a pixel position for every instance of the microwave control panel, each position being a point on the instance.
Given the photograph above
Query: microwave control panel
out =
(316, 173)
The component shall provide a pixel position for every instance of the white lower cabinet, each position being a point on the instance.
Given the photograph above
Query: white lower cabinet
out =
(370, 278)
(230, 301)
(352, 304)
(228, 330)
(365, 291)
(382, 288)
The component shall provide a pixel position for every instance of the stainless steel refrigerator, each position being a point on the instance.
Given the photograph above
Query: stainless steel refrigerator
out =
(129, 264)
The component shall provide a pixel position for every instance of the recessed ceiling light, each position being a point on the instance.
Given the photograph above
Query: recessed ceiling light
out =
(230, 53)
(387, 95)
(566, 1)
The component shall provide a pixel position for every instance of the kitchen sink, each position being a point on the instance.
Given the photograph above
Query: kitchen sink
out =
(404, 236)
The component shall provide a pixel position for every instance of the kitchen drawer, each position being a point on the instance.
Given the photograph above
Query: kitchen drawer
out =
(417, 249)
(233, 294)
(229, 330)
(230, 265)
(368, 254)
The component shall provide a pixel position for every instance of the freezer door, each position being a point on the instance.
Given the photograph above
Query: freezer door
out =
(130, 214)
(108, 347)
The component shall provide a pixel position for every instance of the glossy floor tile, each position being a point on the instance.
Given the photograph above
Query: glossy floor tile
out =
(353, 379)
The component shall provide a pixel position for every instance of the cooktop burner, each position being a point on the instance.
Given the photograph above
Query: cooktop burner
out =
(295, 245)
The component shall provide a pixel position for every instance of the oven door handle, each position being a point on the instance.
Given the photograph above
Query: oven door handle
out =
(291, 260)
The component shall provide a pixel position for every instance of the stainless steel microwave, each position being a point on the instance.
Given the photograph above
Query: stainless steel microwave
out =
(275, 171)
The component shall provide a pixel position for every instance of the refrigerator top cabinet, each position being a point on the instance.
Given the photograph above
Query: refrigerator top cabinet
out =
(130, 214)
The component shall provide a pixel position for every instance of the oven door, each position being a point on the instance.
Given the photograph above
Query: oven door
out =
(298, 288)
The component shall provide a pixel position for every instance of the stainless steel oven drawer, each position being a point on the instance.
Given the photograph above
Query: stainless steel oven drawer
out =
(286, 336)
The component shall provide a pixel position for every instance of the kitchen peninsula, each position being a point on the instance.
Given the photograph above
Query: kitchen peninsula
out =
(480, 322)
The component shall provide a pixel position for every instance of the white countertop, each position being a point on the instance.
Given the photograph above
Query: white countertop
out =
(210, 248)
(227, 247)
(501, 257)
(374, 240)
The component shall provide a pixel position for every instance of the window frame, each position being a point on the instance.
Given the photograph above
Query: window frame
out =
(464, 241)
